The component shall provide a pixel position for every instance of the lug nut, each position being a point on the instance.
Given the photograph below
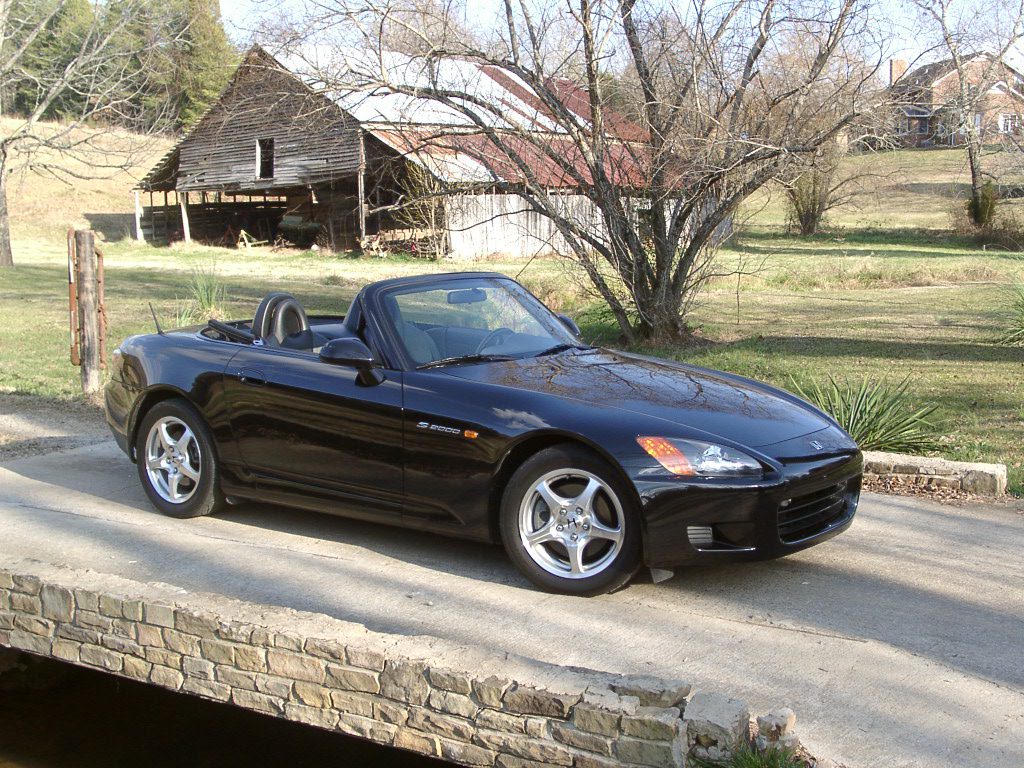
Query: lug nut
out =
(586, 526)
(560, 528)
(574, 537)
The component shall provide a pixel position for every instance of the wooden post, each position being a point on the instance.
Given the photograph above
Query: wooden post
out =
(88, 311)
(361, 184)
(138, 218)
(73, 323)
(183, 202)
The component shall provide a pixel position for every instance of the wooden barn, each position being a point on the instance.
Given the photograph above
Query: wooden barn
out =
(278, 158)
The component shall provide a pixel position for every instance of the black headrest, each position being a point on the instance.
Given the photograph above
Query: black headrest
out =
(261, 328)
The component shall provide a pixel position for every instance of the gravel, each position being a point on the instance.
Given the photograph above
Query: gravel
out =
(30, 426)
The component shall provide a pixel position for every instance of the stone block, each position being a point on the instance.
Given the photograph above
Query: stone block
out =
(439, 724)
(93, 620)
(26, 641)
(526, 700)
(86, 600)
(405, 681)
(390, 711)
(26, 584)
(716, 720)
(653, 691)
(78, 634)
(150, 637)
(132, 610)
(235, 632)
(296, 666)
(591, 742)
(657, 723)
(34, 626)
(26, 604)
(644, 752)
(423, 743)
(236, 678)
(250, 658)
(158, 615)
(352, 678)
(217, 651)
(519, 745)
(456, 682)
(281, 687)
(501, 721)
(367, 658)
(490, 690)
(466, 754)
(65, 650)
(137, 669)
(453, 703)
(57, 603)
(198, 623)
(287, 641)
(321, 718)
(367, 728)
(164, 657)
(312, 694)
(166, 677)
(260, 702)
(124, 628)
(198, 668)
(104, 658)
(511, 761)
(122, 645)
(593, 761)
(187, 645)
(353, 703)
(6, 580)
(325, 649)
(208, 689)
(110, 606)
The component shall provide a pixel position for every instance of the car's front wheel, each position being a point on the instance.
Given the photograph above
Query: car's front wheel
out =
(569, 523)
(176, 460)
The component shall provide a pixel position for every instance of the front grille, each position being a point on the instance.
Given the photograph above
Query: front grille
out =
(806, 516)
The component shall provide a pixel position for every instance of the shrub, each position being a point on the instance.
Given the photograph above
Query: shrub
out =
(205, 300)
(749, 758)
(1013, 334)
(878, 416)
(982, 209)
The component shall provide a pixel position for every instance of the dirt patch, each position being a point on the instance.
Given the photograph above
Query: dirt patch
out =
(30, 426)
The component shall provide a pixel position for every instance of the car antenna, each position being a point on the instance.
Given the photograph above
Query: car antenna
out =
(159, 330)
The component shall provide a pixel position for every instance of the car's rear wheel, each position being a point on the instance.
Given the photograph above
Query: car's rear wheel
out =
(176, 460)
(570, 523)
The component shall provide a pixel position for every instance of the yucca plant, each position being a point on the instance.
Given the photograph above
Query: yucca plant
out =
(206, 294)
(879, 416)
(1013, 334)
(749, 758)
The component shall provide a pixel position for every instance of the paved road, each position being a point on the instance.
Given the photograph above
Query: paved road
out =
(900, 643)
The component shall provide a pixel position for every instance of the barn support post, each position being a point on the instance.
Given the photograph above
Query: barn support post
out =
(88, 311)
(183, 203)
(361, 186)
(138, 218)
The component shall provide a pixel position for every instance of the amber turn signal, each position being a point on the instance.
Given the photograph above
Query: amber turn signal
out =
(666, 454)
(471, 434)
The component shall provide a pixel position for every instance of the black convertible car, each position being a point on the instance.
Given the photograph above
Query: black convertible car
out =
(460, 404)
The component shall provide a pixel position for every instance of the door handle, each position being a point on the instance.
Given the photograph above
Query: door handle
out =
(252, 377)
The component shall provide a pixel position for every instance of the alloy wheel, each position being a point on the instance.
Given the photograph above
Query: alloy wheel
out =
(173, 460)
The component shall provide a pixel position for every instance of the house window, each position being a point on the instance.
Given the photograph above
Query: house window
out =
(264, 158)
(922, 126)
(1009, 123)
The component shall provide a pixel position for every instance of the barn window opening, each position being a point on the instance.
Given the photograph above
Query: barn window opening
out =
(265, 158)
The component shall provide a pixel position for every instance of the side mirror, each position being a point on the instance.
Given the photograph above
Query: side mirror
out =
(570, 324)
(355, 354)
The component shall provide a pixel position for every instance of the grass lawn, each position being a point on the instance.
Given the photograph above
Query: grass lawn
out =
(887, 294)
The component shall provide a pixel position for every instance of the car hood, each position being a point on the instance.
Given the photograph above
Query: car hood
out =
(737, 409)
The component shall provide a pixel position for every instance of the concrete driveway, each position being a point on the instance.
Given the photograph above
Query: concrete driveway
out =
(900, 643)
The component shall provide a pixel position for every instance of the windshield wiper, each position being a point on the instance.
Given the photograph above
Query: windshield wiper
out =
(463, 359)
(560, 348)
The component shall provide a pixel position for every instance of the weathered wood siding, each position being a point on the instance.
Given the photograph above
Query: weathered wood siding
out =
(485, 225)
(314, 141)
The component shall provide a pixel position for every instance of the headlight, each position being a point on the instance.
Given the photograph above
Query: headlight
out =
(695, 458)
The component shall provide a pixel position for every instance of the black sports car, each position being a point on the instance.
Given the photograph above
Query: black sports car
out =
(460, 404)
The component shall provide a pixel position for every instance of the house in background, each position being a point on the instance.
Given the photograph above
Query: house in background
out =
(279, 155)
(926, 98)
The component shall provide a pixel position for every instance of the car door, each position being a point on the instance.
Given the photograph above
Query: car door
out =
(310, 428)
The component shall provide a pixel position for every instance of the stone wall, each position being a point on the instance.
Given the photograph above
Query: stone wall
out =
(934, 473)
(327, 673)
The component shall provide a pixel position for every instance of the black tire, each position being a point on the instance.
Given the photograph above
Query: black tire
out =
(203, 497)
(522, 505)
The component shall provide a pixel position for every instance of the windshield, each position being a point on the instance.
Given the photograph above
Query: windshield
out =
(472, 319)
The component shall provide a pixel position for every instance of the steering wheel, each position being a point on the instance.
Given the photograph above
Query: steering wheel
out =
(492, 339)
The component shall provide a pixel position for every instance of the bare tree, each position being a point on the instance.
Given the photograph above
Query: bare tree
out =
(710, 105)
(976, 35)
(112, 57)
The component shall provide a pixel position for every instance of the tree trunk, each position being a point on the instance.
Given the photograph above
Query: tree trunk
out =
(6, 255)
(977, 207)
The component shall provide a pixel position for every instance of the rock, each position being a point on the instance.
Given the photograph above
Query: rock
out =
(653, 691)
(57, 603)
(716, 720)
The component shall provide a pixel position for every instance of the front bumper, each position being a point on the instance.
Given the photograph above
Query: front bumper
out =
(689, 522)
(118, 400)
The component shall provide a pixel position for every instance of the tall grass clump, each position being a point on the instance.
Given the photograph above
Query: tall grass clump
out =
(206, 298)
(879, 416)
(749, 758)
(1013, 333)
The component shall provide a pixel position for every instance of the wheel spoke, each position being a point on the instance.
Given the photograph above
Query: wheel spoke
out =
(543, 534)
(575, 550)
(156, 462)
(166, 440)
(173, 480)
(599, 530)
(184, 440)
(585, 500)
(552, 499)
(189, 472)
